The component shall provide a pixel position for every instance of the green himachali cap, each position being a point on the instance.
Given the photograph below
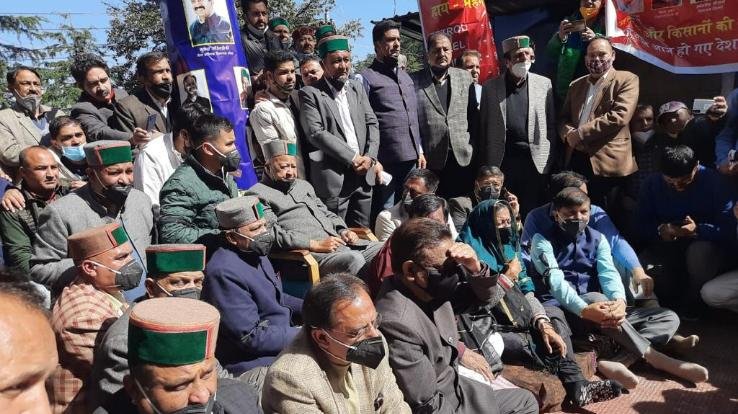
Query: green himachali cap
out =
(278, 21)
(164, 259)
(277, 147)
(323, 31)
(172, 331)
(239, 211)
(97, 240)
(515, 43)
(332, 44)
(107, 152)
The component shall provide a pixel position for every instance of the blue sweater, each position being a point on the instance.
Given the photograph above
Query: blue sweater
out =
(708, 200)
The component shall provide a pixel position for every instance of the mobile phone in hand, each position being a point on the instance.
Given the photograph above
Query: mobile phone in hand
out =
(578, 25)
(151, 123)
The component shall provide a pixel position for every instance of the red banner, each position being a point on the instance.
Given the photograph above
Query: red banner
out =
(681, 36)
(467, 24)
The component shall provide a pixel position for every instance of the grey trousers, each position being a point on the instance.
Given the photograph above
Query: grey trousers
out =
(255, 378)
(345, 259)
(354, 203)
(722, 292)
(643, 326)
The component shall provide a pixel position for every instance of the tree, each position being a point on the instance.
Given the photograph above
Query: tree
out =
(411, 48)
(26, 29)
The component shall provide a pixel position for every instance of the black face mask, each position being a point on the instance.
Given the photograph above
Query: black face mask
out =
(407, 201)
(128, 276)
(162, 90)
(229, 162)
(261, 244)
(488, 192)
(116, 194)
(505, 234)
(284, 184)
(367, 352)
(206, 408)
(442, 285)
(191, 293)
(572, 227)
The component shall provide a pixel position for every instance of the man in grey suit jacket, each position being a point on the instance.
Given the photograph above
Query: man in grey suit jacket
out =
(518, 125)
(443, 107)
(339, 122)
(419, 325)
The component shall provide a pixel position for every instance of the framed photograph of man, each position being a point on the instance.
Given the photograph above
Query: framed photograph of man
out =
(661, 4)
(193, 87)
(208, 22)
(243, 83)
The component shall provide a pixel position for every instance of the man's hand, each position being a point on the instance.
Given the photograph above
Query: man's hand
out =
(349, 237)
(596, 312)
(564, 29)
(616, 309)
(140, 136)
(552, 339)
(477, 363)
(13, 200)
(588, 34)
(667, 232)
(421, 161)
(512, 199)
(688, 229)
(464, 255)
(728, 168)
(378, 169)
(572, 138)
(328, 245)
(718, 109)
(513, 269)
(362, 164)
(640, 278)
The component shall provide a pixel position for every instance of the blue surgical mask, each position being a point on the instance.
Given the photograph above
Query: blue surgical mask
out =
(74, 153)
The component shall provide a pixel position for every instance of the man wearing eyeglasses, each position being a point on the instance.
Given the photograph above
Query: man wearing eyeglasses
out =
(338, 361)
(26, 123)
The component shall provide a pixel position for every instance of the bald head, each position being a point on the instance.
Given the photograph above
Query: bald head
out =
(600, 42)
(39, 171)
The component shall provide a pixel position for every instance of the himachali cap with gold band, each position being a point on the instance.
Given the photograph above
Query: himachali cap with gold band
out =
(239, 211)
(107, 152)
(515, 43)
(332, 44)
(97, 240)
(165, 259)
(172, 331)
(277, 147)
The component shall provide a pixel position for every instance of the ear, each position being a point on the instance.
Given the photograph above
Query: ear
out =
(230, 238)
(408, 270)
(151, 287)
(320, 337)
(88, 268)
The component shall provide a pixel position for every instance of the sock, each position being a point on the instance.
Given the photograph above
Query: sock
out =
(687, 370)
(618, 372)
(586, 392)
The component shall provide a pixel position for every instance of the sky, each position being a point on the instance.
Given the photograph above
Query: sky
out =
(92, 14)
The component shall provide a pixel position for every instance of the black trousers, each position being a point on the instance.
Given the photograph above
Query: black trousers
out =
(456, 181)
(606, 192)
(523, 179)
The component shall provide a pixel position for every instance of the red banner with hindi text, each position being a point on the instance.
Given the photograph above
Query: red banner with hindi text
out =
(681, 36)
(467, 24)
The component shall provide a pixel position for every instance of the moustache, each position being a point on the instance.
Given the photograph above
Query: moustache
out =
(199, 8)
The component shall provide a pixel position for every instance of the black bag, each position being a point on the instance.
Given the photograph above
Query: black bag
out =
(475, 328)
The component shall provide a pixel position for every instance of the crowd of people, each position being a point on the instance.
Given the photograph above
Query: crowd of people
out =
(513, 219)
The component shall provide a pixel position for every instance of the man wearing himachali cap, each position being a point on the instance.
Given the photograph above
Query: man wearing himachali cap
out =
(171, 346)
(109, 197)
(104, 268)
(241, 283)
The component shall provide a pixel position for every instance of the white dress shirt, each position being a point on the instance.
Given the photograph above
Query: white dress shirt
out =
(154, 164)
(341, 99)
(592, 91)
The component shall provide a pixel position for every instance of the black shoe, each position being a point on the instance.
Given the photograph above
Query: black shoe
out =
(586, 392)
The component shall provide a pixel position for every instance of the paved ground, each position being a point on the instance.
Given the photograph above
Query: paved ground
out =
(658, 394)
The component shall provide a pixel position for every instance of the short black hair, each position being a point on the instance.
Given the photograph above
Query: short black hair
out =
(83, 63)
(565, 179)
(643, 107)
(16, 285)
(677, 161)
(274, 58)
(246, 3)
(318, 306)
(23, 155)
(147, 59)
(309, 58)
(489, 171)
(601, 37)
(383, 27)
(188, 76)
(13, 73)
(429, 178)
(186, 115)
(413, 237)
(570, 197)
(60, 122)
(425, 204)
(207, 127)
(435, 36)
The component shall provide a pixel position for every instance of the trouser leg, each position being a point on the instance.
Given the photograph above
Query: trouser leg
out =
(455, 180)
(343, 260)
(664, 262)
(704, 261)
(359, 205)
(722, 292)
(515, 401)
(656, 325)
(523, 180)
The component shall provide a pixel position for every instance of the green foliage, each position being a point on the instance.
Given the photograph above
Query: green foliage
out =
(411, 48)
(26, 29)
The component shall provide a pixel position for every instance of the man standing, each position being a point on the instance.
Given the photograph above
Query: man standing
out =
(26, 123)
(470, 61)
(153, 98)
(443, 101)
(310, 70)
(339, 122)
(595, 126)
(518, 128)
(242, 285)
(108, 197)
(39, 186)
(105, 267)
(67, 148)
(190, 86)
(275, 117)
(321, 370)
(392, 97)
(254, 34)
(303, 42)
(188, 197)
(95, 105)
(208, 27)
(280, 28)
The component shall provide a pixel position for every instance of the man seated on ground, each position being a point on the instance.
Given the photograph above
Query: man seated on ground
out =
(242, 285)
(28, 356)
(39, 186)
(684, 218)
(300, 220)
(106, 198)
(420, 326)
(174, 270)
(67, 146)
(722, 291)
(338, 361)
(489, 184)
(158, 159)
(419, 181)
(542, 220)
(574, 270)
(171, 345)
(86, 308)
(189, 196)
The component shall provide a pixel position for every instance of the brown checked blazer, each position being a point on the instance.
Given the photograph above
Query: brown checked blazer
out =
(605, 136)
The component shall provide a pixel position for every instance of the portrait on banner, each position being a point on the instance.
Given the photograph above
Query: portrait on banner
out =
(193, 87)
(208, 22)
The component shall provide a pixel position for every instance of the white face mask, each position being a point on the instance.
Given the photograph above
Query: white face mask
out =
(641, 137)
(520, 69)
